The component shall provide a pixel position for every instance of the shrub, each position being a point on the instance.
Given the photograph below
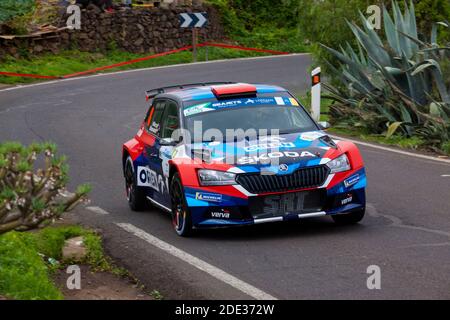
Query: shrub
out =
(32, 198)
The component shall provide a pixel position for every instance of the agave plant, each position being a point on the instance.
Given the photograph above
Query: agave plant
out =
(395, 84)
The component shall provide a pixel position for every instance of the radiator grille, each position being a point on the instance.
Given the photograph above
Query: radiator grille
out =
(310, 177)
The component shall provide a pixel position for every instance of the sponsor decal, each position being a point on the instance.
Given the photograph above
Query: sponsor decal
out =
(210, 197)
(269, 145)
(351, 181)
(311, 136)
(283, 167)
(209, 106)
(280, 101)
(222, 214)
(226, 104)
(347, 200)
(199, 108)
(149, 178)
(154, 128)
(214, 143)
(265, 158)
(294, 102)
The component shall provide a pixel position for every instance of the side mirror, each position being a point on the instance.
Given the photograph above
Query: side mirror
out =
(169, 142)
(324, 125)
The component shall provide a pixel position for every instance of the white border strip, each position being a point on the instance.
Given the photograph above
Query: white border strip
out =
(406, 153)
(311, 215)
(150, 68)
(159, 204)
(197, 263)
(266, 220)
(97, 210)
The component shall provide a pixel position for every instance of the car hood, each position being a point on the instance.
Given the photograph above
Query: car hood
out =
(293, 151)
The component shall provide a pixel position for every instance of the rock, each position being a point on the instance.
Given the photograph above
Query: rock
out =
(38, 48)
(74, 249)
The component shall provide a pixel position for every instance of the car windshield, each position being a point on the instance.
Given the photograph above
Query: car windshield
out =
(286, 119)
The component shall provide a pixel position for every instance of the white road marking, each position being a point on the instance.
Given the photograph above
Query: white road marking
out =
(97, 210)
(197, 263)
(445, 175)
(147, 69)
(406, 153)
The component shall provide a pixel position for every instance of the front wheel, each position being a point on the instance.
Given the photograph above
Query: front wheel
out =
(135, 195)
(349, 218)
(181, 217)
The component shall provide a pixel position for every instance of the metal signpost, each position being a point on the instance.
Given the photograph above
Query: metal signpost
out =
(315, 94)
(194, 21)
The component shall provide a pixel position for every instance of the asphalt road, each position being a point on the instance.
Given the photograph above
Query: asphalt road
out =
(406, 232)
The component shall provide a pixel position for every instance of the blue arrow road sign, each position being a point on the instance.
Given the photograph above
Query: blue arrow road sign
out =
(193, 20)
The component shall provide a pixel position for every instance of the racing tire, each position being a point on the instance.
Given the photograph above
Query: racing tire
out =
(349, 218)
(181, 217)
(135, 195)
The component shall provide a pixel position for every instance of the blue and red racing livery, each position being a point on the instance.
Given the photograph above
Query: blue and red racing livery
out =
(233, 154)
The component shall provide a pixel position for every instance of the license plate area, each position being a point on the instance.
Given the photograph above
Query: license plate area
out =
(280, 205)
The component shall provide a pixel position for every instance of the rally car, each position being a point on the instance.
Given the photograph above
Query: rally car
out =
(188, 159)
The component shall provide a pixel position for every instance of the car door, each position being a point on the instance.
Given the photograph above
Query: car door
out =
(151, 177)
(169, 124)
(161, 123)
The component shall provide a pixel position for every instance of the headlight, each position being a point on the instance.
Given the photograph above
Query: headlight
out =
(339, 164)
(216, 178)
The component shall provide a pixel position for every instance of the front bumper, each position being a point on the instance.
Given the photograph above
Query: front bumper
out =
(210, 208)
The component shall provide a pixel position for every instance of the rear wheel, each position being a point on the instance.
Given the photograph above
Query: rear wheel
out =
(181, 217)
(349, 218)
(135, 195)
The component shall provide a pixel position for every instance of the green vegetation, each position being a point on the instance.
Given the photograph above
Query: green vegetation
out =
(413, 143)
(299, 25)
(15, 13)
(393, 85)
(25, 270)
(262, 23)
(72, 61)
(33, 197)
(23, 273)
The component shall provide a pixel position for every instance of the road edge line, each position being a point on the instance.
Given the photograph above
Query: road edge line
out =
(213, 271)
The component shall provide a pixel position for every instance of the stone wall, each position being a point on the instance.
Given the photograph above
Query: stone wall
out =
(149, 30)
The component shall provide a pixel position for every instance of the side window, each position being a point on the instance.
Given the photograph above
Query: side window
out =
(155, 116)
(170, 120)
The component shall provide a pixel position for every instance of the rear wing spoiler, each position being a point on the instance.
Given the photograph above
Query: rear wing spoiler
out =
(150, 94)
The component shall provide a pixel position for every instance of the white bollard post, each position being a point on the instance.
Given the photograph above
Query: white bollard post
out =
(315, 94)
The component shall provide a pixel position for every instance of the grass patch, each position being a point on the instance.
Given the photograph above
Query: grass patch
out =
(23, 273)
(26, 274)
(72, 61)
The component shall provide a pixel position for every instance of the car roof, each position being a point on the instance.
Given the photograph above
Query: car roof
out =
(187, 93)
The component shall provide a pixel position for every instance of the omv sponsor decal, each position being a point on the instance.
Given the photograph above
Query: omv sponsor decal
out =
(149, 178)
(210, 197)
